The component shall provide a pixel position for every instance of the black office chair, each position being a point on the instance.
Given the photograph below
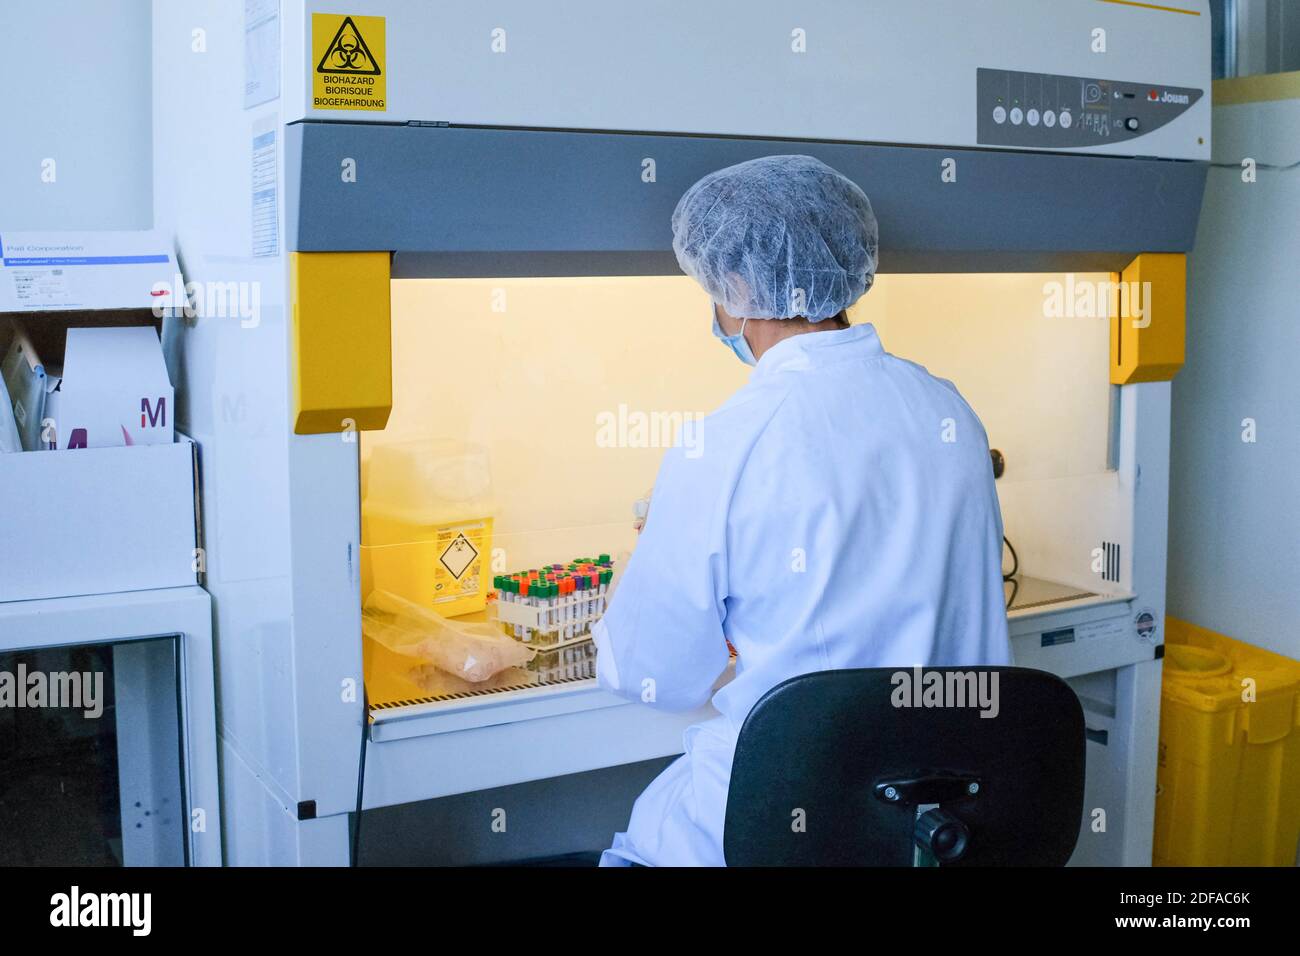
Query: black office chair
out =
(830, 770)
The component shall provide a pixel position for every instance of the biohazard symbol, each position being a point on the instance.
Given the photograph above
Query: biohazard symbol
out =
(460, 554)
(348, 53)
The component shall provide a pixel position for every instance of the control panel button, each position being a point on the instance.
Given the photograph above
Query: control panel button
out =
(1027, 109)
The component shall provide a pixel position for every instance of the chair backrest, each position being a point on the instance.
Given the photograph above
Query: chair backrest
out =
(831, 768)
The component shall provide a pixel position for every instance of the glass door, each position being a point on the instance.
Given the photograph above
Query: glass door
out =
(90, 756)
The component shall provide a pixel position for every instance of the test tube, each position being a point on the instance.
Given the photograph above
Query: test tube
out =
(566, 609)
(530, 599)
(577, 605)
(552, 597)
(584, 586)
(544, 596)
(538, 591)
(572, 608)
(512, 595)
(520, 592)
(503, 597)
(499, 589)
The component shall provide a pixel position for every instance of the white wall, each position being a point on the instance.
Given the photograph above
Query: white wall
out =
(78, 92)
(1234, 528)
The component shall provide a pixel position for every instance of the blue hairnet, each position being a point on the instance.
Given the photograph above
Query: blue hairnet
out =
(777, 237)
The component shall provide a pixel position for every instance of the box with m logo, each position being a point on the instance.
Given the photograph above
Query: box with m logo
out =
(114, 391)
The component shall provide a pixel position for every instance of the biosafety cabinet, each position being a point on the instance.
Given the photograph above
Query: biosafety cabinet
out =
(451, 221)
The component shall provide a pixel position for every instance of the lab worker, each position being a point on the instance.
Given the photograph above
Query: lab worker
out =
(838, 511)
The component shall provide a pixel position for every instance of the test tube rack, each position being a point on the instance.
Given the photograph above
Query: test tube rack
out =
(555, 606)
(565, 621)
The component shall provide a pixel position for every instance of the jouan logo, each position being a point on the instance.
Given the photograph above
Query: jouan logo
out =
(156, 415)
(1182, 99)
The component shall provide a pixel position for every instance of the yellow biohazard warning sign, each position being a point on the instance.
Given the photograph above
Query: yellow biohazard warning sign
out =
(349, 56)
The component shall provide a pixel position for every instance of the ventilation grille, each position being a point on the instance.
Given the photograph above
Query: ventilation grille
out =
(1110, 569)
(468, 694)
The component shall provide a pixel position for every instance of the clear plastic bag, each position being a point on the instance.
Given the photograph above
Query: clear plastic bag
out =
(471, 651)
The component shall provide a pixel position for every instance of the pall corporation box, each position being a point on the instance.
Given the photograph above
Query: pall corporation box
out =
(62, 271)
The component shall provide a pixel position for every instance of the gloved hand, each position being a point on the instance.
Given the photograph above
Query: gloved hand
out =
(641, 510)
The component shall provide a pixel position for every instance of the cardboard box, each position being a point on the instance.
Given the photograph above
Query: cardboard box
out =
(61, 271)
(86, 306)
(101, 519)
(113, 391)
(98, 521)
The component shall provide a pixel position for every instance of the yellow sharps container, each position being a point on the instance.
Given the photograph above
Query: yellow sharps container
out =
(426, 525)
(1228, 779)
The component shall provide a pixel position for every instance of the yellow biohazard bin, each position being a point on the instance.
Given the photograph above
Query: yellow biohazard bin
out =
(426, 525)
(1228, 779)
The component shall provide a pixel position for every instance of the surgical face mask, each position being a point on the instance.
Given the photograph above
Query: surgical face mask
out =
(739, 347)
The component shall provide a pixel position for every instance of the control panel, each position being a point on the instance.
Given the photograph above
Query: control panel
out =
(1045, 110)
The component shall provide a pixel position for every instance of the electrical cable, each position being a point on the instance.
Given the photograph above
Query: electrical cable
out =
(1010, 576)
(1015, 561)
(361, 776)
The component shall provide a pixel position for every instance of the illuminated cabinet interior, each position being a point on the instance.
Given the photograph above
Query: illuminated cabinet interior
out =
(545, 404)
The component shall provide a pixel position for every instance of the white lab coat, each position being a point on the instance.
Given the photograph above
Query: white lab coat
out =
(838, 511)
